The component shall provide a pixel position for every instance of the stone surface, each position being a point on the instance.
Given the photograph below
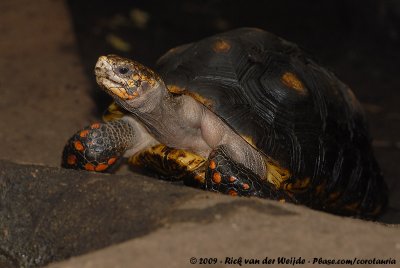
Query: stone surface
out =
(221, 227)
(50, 214)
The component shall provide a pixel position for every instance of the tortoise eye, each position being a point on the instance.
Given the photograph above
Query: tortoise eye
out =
(123, 70)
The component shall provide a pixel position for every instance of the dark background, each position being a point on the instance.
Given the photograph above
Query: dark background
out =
(358, 40)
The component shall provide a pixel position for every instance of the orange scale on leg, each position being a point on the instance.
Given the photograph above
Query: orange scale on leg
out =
(216, 177)
(101, 167)
(95, 125)
(78, 146)
(84, 133)
(212, 164)
(111, 160)
(71, 160)
(89, 167)
(232, 192)
(232, 179)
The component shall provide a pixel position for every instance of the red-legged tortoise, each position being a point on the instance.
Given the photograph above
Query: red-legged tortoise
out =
(242, 113)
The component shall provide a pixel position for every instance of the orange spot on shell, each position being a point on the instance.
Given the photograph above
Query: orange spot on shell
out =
(212, 165)
(232, 179)
(84, 133)
(292, 81)
(95, 125)
(232, 193)
(221, 46)
(216, 177)
(78, 146)
(90, 167)
(246, 186)
(176, 89)
(71, 160)
(111, 160)
(101, 167)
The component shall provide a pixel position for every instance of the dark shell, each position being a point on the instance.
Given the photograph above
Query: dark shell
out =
(295, 111)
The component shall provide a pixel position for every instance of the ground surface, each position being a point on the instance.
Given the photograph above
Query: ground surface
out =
(47, 51)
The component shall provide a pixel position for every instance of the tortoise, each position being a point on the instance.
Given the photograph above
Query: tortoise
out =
(244, 113)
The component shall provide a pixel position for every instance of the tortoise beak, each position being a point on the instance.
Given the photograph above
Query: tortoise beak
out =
(112, 84)
(102, 66)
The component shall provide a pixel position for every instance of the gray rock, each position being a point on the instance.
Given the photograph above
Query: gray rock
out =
(50, 214)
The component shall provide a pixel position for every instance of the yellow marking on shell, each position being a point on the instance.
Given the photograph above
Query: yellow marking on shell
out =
(135, 77)
(183, 91)
(249, 140)
(276, 174)
(200, 176)
(221, 46)
(188, 159)
(292, 81)
(169, 161)
(299, 185)
(176, 89)
(113, 112)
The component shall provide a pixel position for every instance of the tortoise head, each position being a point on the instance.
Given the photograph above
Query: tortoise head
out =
(127, 81)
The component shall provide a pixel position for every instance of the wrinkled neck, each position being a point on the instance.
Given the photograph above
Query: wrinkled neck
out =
(156, 111)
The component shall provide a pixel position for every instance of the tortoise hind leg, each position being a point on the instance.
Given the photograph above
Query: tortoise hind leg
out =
(99, 146)
(228, 177)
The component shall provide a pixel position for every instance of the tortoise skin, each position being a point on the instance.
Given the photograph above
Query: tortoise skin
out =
(98, 147)
(297, 113)
(225, 176)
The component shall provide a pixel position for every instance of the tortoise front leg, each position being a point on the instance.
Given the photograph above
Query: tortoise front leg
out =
(229, 177)
(100, 146)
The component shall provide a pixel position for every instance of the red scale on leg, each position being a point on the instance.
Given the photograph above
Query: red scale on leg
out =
(82, 150)
(229, 177)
